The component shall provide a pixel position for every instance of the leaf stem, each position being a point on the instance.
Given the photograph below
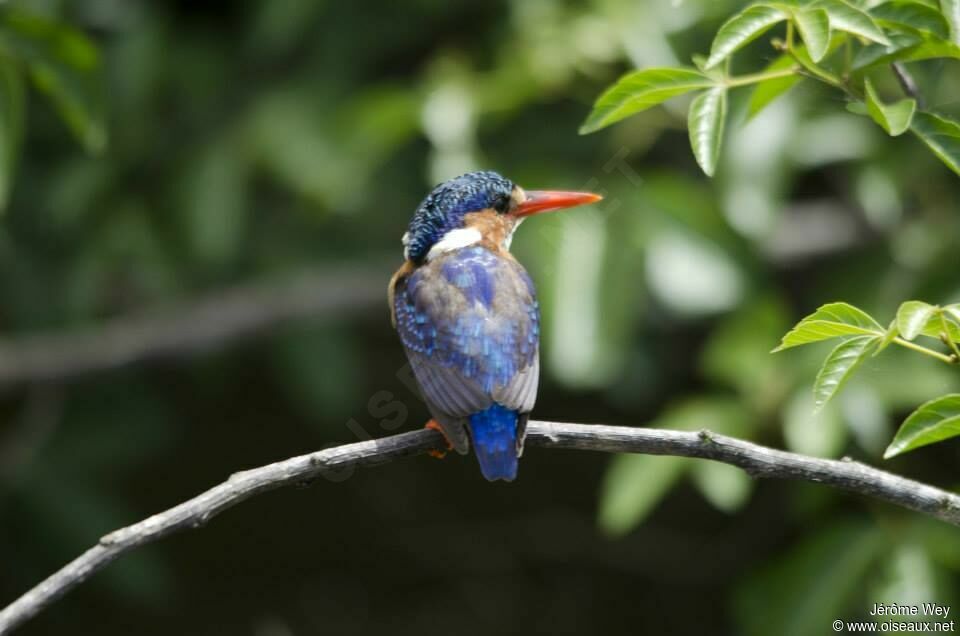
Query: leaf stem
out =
(815, 72)
(907, 83)
(946, 336)
(754, 78)
(810, 69)
(924, 350)
(847, 58)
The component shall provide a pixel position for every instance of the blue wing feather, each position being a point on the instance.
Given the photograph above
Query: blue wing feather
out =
(474, 312)
(470, 324)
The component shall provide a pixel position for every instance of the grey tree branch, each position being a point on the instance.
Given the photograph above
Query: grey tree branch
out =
(202, 325)
(758, 461)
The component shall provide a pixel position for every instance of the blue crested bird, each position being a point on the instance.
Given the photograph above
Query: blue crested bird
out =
(467, 313)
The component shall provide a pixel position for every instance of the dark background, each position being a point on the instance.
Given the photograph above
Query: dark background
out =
(250, 143)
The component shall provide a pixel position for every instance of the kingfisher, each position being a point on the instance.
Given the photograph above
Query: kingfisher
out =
(467, 313)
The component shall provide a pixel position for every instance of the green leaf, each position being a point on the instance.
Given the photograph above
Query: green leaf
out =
(934, 327)
(768, 90)
(857, 108)
(953, 311)
(213, 201)
(11, 125)
(839, 366)
(633, 485)
(735, 353)
(930, 50)
(814, 27)
(941, 135)
(912, 16)
(912, 316)
(65, 65)
(808, 585)
(893, 118)
(846, 17)
(705, 122)
(808, 431)
(951, 11)
(949, 328)
(935, 421)
(640, 90)
(802, 56)
(905, 48)
(742, 29)
(892, 332)
(908, 567)
(726, 487)
(876, 54)
(831, 321)
(700, 61)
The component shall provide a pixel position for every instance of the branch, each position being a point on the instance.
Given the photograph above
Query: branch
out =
(907, 83)
(758, 461)
(203, 325)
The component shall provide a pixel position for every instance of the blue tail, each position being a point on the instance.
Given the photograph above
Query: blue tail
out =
(494, 434)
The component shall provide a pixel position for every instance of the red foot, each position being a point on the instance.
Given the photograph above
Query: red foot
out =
(439, 454)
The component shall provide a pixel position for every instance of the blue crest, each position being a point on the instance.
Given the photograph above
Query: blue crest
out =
(445, 206)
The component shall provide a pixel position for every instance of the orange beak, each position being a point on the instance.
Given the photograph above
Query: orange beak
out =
(548, 200)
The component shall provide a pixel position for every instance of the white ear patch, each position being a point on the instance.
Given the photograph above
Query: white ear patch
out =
(507, 241)
(454, 240)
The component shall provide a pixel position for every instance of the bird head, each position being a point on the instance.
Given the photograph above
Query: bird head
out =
(478, 207)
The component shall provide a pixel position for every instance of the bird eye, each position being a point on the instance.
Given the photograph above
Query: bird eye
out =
(502, 203)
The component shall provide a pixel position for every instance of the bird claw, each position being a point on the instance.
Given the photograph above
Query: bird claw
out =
(439, 454)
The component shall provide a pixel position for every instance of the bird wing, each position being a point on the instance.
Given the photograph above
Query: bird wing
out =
(469, 322)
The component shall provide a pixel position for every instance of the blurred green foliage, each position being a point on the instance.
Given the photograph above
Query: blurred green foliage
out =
(842, 45)
(64, 65)
(863, 337)
(253, 140)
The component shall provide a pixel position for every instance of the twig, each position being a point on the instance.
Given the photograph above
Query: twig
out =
(204, 325)
(758, 461)
(907, 83)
